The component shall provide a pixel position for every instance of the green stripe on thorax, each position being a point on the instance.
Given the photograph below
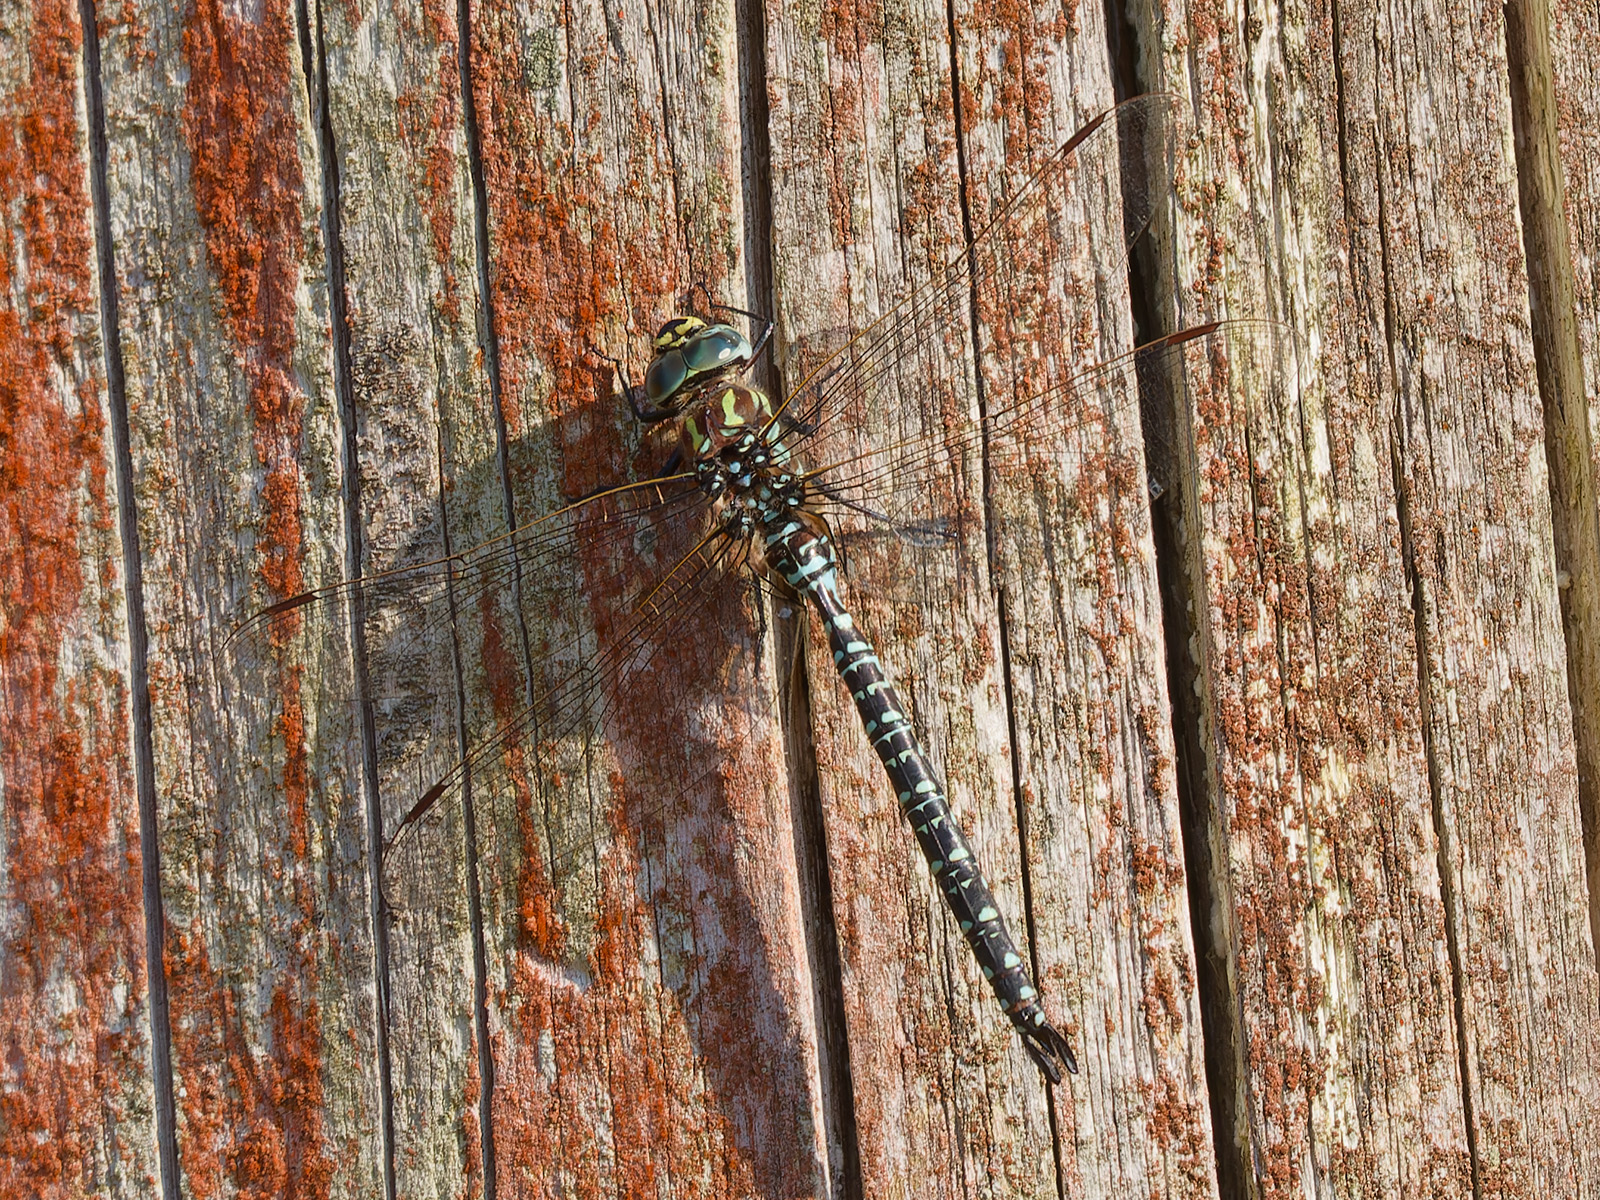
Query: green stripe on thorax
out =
(723, 415)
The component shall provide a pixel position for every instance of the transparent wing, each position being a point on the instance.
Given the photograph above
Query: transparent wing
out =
(498, 669)
(499, 674)
(1022, 341)
(610, 736)
(412, 607)
(1106, 428)
(1048, 260)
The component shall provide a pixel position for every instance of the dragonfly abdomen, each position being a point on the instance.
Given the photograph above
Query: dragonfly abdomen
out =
(799, 549)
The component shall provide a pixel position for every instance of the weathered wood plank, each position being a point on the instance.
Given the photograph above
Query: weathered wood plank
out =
(1330, 917)
(411, 282)
(1555, 53)
(77, 1102)
(862, 131)
(651, 1000)
(216, 218)
(1083, 620)
(1410, 964)
(865, 166)
(1386, 804)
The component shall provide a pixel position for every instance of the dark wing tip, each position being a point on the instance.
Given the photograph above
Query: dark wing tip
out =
(263, 615)
(419, 810)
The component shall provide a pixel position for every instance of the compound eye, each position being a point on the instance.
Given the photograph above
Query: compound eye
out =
(666, 376)
(717, 347)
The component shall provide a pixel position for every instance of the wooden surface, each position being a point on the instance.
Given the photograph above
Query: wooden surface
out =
(77, 1108)
(1563, 137)
(1289, 768)
(1386, 722)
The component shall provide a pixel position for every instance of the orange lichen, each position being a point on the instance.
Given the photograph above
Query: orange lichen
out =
(241, 127)
(429, 117)
(250, 1126)
(253, 1117)
(72, 1052)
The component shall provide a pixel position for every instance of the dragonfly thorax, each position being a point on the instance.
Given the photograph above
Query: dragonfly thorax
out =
(727, 432)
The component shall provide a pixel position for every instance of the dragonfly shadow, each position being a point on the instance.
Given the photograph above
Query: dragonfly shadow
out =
(579, 769)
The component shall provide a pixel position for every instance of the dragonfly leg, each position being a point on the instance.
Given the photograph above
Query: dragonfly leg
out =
(669, 470)
(647, 416)
(714, 306)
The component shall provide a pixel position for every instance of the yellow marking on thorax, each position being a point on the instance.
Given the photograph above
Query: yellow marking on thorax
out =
(731, 418)
(696, 439)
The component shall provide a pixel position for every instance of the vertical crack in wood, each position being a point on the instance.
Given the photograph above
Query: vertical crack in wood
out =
(480, 958)
(1399, 454)
(822, 936)
(1449, 891)
(144, 771)
(313, 54)
(1558, 357)
(1131, 24)
(490, 342)
(1019, 801)
(755, 154)
(825, 964)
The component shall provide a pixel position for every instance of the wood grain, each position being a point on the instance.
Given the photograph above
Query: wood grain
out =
(1280, 767)
(651, 1001)
(1375, 599)
(419, 398)
(216, 241)
(1560, 140)
(866, 164)
(77, 1097)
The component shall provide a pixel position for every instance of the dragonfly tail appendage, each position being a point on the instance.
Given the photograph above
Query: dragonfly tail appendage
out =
(802, 553)
(1045, 1044)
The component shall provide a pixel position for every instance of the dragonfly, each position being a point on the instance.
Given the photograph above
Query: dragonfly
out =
(755, 486)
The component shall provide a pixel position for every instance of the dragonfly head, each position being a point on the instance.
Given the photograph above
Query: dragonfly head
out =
(690, 352)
